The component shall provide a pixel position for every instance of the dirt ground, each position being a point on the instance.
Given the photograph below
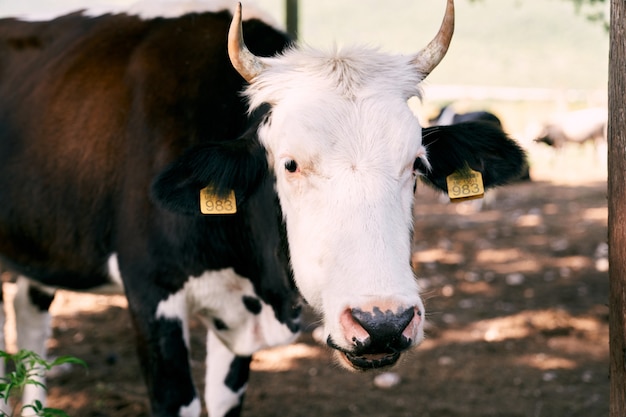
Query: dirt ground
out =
(516, 293)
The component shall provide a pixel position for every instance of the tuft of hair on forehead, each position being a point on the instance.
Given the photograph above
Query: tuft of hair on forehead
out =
(350, 73)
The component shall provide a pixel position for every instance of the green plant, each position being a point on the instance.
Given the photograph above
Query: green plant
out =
(30, 369)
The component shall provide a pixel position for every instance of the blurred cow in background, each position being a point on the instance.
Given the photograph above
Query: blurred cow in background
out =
(447, 116)
(580, 126)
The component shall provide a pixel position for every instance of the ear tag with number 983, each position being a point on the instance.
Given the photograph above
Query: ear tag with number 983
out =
(465, 184)
(211, 203)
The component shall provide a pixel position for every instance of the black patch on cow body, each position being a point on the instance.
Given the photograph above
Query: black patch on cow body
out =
(25, 42)
(57, 275)
(179, 389)
(235, 411)
(238, 373)
(39, 298)
(253, 305)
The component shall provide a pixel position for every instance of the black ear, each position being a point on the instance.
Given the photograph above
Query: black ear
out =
(483, 146)
(238, 165)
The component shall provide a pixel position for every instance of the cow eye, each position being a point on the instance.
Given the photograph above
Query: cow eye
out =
(291, 165)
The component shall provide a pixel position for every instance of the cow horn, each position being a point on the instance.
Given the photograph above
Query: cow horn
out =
(245, 62)
(429, 57)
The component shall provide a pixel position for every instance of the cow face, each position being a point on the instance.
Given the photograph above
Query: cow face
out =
(342, 144)
(345, 180)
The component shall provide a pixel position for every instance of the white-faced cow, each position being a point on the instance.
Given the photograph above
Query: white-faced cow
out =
(111, 127)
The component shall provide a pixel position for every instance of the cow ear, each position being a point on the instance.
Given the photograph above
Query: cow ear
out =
(482, 146)
(235, 165)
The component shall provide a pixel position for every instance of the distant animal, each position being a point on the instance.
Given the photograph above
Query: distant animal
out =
(579, 127)
(447, 116)
(164, 156)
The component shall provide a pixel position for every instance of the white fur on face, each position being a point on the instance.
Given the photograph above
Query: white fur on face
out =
(219, 295)
(344, 120)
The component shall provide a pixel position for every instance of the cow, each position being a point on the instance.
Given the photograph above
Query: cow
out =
(448, 116)
(118, 132)
(575, 127)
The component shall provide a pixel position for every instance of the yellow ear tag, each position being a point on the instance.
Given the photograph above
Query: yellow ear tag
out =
(210, 203)
(465, 184)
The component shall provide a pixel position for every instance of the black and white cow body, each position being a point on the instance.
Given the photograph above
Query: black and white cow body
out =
(448, 116)
(111, 126)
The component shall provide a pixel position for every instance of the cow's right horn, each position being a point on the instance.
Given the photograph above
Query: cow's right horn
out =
(245, 62)
(429, 57)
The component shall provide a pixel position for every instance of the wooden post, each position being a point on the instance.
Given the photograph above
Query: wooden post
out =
(291, 7)
(617, 207)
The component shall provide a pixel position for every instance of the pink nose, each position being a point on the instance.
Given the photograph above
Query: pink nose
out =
(378, 331)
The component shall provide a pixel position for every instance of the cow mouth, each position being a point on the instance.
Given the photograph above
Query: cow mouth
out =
(371, 361)
(362, 361)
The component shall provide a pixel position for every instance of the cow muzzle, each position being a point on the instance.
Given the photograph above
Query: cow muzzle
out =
(377, 337)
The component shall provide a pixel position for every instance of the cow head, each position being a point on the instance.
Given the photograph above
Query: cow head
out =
(342, 142)
(344, 151)
(551, 135)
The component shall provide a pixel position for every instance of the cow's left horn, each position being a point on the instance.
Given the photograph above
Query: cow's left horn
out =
(429, 57)
(245, 62)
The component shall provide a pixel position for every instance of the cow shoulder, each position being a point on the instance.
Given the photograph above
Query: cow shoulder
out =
(484, 147)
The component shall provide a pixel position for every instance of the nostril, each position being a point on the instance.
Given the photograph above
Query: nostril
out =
(411, 331)
(352, 330)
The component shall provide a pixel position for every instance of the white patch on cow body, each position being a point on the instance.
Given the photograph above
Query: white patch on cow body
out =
(219, 295)
(192, 410)
(219, 398)
(33, 330)
(343, 117)
(113, 270)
